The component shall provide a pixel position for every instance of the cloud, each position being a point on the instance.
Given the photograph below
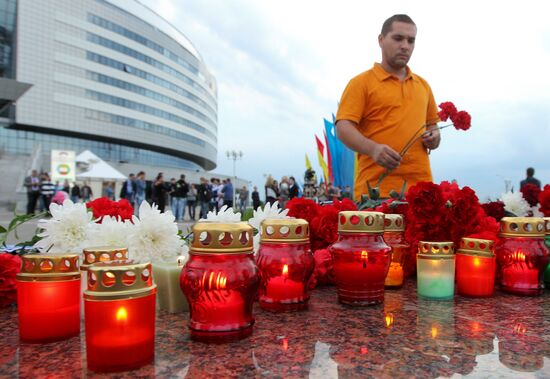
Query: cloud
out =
(281, 67)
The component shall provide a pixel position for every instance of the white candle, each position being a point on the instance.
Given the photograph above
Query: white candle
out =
(169, 295)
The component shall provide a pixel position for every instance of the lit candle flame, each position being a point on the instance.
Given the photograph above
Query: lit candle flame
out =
(477, 262)
(434, 331)
(364, 258)
(122, 314)
(476, 327)
(285, 271)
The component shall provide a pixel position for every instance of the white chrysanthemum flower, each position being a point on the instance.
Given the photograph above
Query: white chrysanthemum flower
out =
(269, 211)
(112, 232)
(154, 236)
(225, 214)
(536, 212)
(515, 203)
(68, 229)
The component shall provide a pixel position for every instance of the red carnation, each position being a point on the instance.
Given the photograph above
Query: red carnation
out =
(462, 120)
(494, 209)
(324, 270)
(544, 200)
(10, 265)
(302, 208)
(344, 205)
(448, 109)
(107, 207)
(425, 200)
(324, 227)
(530, 193)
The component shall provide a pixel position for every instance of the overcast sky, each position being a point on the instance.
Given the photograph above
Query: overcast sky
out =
(281, 67)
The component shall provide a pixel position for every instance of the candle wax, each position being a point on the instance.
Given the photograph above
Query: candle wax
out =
(225, 311)
(395, 275)
(436, 278)
(281, 289)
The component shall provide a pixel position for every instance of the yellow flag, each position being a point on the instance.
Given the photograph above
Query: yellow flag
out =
(308, 163)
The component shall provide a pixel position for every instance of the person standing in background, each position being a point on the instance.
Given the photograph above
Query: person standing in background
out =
(141, 186)
(255, 198)
(530, 179)
(86, 192)
(159, 192)
(47, 190)
(243, 199)
(204, 195)
(75, 193)
(292, 188)
(32, 183)
(192, 201)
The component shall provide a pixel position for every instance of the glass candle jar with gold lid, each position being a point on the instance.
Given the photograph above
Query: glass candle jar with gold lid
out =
(220, 281)
(394, 235)
(435, 270)
(361, 258)
(48, 297)
(522, 255)
(285, 264)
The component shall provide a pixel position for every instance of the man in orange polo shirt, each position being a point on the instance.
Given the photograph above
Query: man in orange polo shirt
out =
(381, 110)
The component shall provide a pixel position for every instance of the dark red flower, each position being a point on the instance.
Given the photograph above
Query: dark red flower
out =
(494, 209)
(425, 200)
(488, 229)
(10, 265)
(107, 207)
(344, 205)
(448, 109)
(302, 208)
(392, 206)
(544, 200)
(324, 227)
(324, 270)
(462, 120)
(530, 193)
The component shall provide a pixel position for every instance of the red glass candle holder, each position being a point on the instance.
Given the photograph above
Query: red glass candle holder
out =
(93, 255)
(120, 316)
(220, 281)
(361, 258)
(394, 235)
(475, 268)
(547, 243)
(285, 264)
(48, 297)
(522, 256)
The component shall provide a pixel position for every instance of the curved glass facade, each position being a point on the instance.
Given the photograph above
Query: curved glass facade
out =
(113, 77)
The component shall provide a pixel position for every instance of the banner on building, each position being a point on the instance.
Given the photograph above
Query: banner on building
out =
(63, 166)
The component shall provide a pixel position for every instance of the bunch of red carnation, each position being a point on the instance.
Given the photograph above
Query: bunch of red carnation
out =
(461, 119)
(446, 212)
(323, 226)
(494, 209)
(544, 200)
(530, 193)
(106, 207)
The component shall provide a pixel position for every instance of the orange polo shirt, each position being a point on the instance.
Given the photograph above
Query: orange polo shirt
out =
(389, 111)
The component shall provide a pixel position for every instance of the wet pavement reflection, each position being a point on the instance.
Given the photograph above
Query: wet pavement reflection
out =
(505, 336)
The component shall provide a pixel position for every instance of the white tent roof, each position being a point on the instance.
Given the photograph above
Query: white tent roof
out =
(90, 166)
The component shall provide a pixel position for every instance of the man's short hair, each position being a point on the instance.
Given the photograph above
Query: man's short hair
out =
(387, 26)
(530, 171)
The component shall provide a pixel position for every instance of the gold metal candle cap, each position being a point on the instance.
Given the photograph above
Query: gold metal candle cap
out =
(476, 246)
(93, 255)
(360, 222)
(547, 226)
(394, 223)
(287, 230)
(222, 238)
(522, 227)
(119, 280)
(48, 268)
(436, 250)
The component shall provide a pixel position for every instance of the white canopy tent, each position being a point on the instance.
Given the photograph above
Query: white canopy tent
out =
(89, 167)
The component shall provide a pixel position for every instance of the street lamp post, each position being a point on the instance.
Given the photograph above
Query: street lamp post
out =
(234, 155)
